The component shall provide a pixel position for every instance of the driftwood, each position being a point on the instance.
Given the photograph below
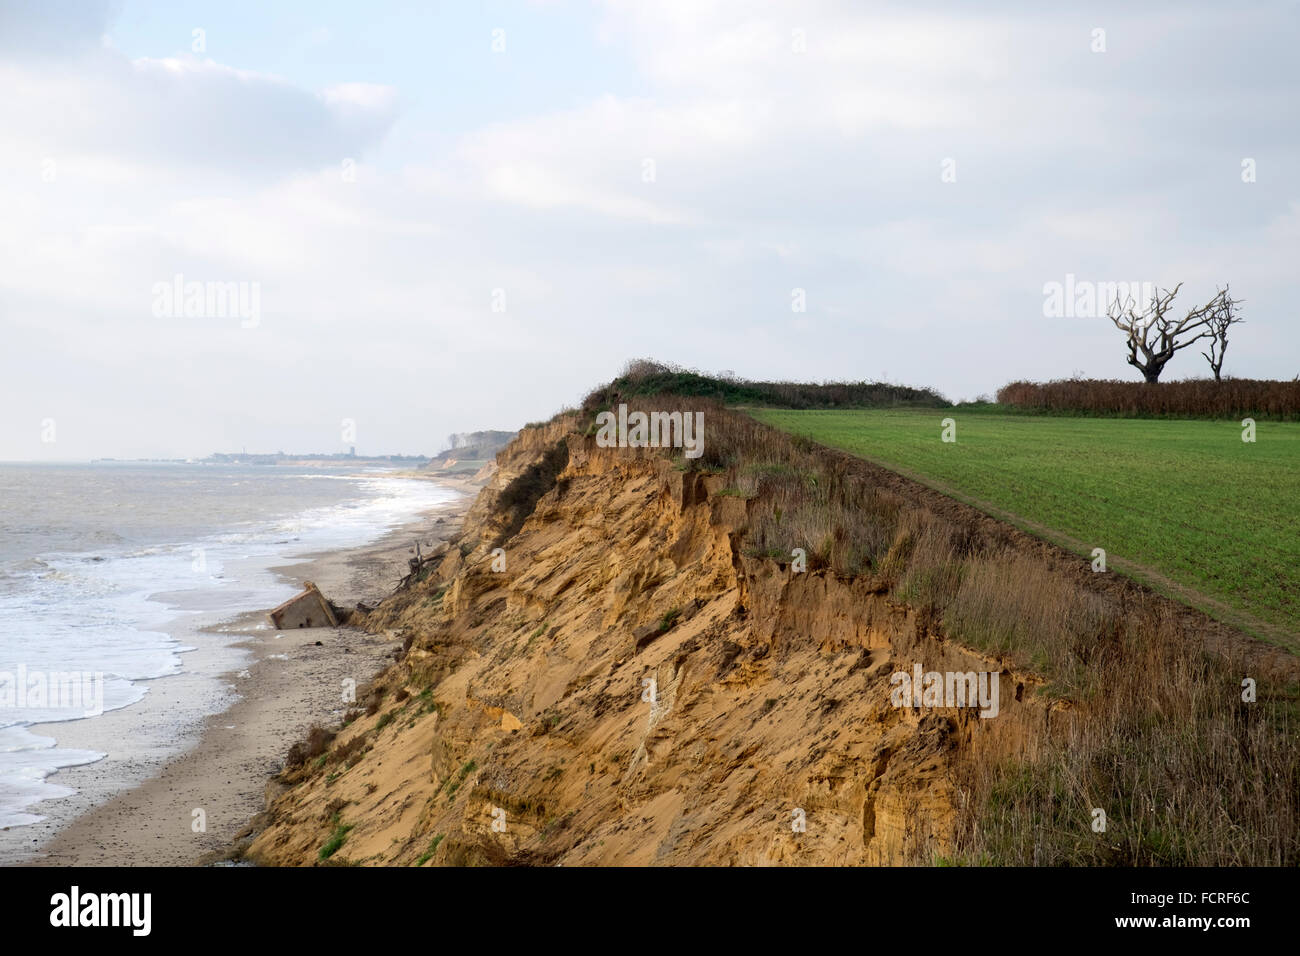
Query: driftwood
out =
(418, 563)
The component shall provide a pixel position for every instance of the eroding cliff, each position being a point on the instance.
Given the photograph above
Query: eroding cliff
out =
(622, 683)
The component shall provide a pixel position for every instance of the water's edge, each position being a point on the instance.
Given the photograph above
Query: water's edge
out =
(128, 747)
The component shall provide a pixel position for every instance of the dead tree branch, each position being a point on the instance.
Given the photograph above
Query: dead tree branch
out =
(1154, 336)
(1224, 318)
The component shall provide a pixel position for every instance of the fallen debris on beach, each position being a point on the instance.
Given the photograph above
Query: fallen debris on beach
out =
(309, 608)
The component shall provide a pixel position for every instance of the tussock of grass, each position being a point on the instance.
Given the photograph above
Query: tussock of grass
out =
(433, 848)
(453, 783)
(337, 838)
(1016, 607)
(314, 747)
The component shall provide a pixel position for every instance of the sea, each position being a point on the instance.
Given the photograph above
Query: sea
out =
(115, 576)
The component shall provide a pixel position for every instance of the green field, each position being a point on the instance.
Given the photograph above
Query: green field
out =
(1185, 506)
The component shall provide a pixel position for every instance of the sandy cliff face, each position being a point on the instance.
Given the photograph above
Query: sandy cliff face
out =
(621, 684)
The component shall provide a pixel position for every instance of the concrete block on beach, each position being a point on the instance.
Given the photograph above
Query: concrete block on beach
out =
(305, 609)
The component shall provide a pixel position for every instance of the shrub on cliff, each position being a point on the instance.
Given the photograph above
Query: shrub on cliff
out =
(518, 498)
(644, 377)
(317, 743)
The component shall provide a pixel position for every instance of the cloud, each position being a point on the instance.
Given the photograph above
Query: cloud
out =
(769, 170)
(53, 28)
(169, 113)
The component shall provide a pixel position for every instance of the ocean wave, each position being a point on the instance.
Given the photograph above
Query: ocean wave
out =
(121, 609)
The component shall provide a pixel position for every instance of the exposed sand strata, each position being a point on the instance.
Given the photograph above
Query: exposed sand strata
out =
(522, 691)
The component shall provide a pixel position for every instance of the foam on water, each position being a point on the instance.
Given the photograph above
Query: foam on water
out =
(129, 611)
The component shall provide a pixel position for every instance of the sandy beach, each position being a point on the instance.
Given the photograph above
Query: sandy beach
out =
(199, 800)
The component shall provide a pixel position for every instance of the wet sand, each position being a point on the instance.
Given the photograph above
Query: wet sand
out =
(199, 800)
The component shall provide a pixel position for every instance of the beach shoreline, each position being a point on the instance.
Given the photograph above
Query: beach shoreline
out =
(201, 797)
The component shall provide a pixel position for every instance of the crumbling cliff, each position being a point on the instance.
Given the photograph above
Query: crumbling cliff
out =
(620, 683)
(632, 657)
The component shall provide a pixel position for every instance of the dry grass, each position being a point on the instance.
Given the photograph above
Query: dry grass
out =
(1185, 772)
(1012, 605)
(1156, 734)
(316, 743)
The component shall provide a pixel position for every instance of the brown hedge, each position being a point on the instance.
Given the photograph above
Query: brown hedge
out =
(1192, 398)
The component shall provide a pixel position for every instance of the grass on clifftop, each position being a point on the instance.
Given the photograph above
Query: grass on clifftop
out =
(1187, 499)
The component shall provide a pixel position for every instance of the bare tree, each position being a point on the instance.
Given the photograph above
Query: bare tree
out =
(1224, 318)
(1157, 335)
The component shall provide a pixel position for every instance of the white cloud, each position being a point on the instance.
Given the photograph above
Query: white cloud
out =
(174, 112)
(772, 170)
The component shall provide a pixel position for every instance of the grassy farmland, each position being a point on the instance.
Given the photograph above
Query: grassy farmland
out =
(1185, 506)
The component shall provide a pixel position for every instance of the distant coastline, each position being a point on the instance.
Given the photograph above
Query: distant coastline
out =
(277, 458)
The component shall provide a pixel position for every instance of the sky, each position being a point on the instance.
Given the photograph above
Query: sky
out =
(389, 222)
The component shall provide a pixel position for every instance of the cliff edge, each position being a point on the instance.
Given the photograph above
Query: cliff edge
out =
(621, 660)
